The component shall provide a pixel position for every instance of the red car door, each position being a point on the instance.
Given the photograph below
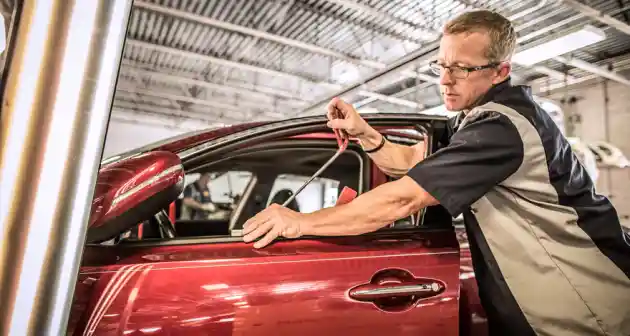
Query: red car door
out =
(402, 280)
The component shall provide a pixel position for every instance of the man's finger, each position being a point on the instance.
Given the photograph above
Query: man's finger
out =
(337, 123)
(344, 107)
(267, 239)
(331, 110)
(258, 231)
(255, 221)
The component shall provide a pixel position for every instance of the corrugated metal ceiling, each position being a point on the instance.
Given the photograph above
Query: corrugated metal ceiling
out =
(226, 61)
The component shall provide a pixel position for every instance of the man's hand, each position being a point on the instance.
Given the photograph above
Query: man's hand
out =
(208, 207)
(343, 116)
(275, 221)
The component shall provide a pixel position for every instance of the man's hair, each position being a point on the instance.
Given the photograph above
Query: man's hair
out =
(499, 29)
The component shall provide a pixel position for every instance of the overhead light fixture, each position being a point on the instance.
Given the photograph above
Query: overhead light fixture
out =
(573, 41)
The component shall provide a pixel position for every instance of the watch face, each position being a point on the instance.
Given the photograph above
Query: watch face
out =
(206, 193)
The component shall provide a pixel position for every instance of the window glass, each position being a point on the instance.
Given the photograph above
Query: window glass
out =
(408, 137)
(240, 187)
(320, 193)
(223, 191)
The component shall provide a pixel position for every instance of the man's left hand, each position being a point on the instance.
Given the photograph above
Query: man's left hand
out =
(275, 221)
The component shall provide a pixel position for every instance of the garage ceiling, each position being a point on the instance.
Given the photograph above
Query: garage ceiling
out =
(215, 62)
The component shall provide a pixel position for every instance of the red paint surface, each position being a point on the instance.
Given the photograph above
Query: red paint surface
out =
(290, 288)
(296, 287)
(122, 178)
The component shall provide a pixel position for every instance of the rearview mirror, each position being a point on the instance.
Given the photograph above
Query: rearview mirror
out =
(131, 191)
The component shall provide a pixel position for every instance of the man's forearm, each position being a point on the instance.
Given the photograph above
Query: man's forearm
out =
(193, 204)
(386, 203)
(393, 159)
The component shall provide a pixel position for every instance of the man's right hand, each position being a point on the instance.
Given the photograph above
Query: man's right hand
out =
(343, 116)
(209, 207)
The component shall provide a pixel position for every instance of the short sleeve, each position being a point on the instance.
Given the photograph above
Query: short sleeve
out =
(485, 151)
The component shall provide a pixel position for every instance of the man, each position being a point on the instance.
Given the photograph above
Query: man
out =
(549, 254)
(197, 203)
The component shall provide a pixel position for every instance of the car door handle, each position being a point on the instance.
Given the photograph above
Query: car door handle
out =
(372, 292)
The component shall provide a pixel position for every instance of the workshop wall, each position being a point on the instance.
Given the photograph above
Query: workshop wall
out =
(601, 111)
(123, 136)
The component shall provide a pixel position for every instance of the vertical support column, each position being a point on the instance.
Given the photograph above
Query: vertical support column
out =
(58, 89)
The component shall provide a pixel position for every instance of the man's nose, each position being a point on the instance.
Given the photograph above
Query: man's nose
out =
(446, 78)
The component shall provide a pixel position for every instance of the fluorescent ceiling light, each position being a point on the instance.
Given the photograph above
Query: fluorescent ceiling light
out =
(576, 40)
(344, 72)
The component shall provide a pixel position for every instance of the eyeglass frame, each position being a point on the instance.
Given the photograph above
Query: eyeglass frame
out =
(467, 70)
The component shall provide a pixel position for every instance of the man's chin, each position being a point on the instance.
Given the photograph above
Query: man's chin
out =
(452, 107)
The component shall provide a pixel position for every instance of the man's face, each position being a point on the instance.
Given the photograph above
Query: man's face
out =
(467, 50)
(204, 179)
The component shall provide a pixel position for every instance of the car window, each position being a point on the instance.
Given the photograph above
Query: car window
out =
(320, 193)
(244, 182)
(408, 137)
(264, 174)
(225, 189)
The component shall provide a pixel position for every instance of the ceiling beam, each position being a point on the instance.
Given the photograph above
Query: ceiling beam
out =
(227, 63)
(597, 15)
(213, 86)
(594, 69)
(427, 34)
(257, 109)
(139, 117)
(271, 37)
(173, 112)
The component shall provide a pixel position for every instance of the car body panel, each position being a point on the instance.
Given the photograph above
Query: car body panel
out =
(123, 186)
(222, 286)
(292, 287)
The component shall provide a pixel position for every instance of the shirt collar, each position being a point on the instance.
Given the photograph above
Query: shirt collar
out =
(494, 90)
(487, 97)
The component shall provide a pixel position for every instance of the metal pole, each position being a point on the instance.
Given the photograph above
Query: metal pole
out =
(59, 87)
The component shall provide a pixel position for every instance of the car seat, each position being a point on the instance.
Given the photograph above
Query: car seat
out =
(282, 196)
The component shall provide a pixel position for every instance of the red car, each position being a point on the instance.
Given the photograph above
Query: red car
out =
(145, 271)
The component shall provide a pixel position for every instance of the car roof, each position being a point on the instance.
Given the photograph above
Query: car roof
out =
(187, 140)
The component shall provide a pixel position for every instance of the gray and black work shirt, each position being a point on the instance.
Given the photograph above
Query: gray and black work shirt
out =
(549, 254)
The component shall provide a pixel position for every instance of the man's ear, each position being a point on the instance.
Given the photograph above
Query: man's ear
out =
(503, 73)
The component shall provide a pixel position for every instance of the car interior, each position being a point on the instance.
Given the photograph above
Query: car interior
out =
(265, 165)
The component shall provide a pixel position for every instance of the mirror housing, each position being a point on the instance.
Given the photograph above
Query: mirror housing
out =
(131, 191)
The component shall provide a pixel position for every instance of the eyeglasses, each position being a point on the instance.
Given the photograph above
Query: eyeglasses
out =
(458, 72)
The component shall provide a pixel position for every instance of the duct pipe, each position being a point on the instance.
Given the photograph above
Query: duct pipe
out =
(211, 86)
(401, 63)
(427, 34)
(215, 104)
(57, 93)
(597, 15)
(224, 62)
(528, 10)
(594, 69)
(166, 73)
(161, 111)
(583, 79)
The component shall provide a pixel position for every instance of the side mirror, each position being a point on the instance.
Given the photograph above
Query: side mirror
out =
(131, 191)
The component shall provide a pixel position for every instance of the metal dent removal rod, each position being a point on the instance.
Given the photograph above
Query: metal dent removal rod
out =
(58, 88)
